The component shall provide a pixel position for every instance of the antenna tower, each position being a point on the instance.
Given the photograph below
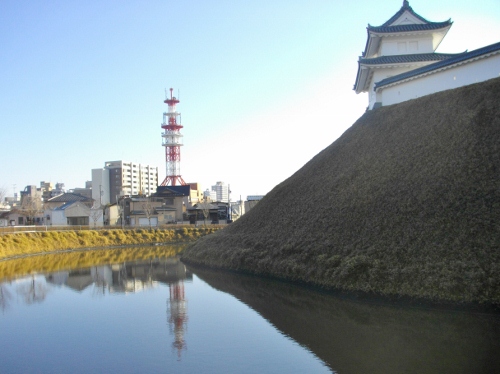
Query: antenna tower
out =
(172, 141)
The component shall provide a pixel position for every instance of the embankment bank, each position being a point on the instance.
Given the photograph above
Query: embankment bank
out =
(25, 244)
(406, 203)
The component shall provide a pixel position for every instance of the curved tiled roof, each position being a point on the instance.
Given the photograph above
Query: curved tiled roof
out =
(462, 57)
(410, 27)
(406, 6)
(387, 28)
(399, 59)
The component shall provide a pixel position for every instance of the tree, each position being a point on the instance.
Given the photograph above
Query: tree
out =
(5, 297)
(205, 209)
(34, 291)
(96, 212)
(148, 209)
(30, 207)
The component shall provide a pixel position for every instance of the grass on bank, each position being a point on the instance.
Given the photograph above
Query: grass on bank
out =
(45, 242)
(405, 203)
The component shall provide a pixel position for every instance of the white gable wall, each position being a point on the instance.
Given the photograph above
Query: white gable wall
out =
(404, 45)
(407, 18)
(57, 218)
(461, 75)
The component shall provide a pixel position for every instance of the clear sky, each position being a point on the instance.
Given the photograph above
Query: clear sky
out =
(264, 85)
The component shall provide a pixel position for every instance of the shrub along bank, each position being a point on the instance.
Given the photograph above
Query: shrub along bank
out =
(12, 245)
(405, 203)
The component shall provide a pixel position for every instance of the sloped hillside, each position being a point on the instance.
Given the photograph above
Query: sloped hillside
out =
(406, 202)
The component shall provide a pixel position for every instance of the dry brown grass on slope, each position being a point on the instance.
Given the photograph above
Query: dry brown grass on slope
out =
(405, 202)
(12, 245)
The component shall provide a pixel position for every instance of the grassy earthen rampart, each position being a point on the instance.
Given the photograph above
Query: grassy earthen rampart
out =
(405, 203)
(12, 245)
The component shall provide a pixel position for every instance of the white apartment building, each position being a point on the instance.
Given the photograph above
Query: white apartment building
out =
(220, 192)
(119, 178)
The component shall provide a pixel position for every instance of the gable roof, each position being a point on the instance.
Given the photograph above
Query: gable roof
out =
(405, 8)
(68, 197)
(445, 64)
(389, 28)
(409, 27)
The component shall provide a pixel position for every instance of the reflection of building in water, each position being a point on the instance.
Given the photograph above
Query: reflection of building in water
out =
(134, 277)
(126, 277)
(177, 315)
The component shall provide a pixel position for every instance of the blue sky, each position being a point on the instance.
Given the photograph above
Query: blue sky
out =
(263, 85)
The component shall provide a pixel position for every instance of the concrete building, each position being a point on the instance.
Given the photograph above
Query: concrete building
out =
(195, 193)
(58, 190)
(31, 192)
(121, 178)
(252, 200)
(400, 61)
(220, 192)
(46, 189)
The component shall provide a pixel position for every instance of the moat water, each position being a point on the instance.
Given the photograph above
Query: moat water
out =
(160, 316)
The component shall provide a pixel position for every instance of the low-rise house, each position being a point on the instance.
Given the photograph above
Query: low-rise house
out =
(4, 219)
(73, 213)
(203, 212)
(19, 217)
(68, 197)
(161, 208)
(70, 209)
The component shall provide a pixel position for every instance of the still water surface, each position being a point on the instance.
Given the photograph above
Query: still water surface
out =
(158, 316)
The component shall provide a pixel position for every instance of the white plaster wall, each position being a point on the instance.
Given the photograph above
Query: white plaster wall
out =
(378, 75)
(112, 214)
(462, 75)
(390, 46)
(58, 218)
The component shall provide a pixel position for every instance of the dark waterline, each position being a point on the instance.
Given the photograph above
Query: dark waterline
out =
(159, 316)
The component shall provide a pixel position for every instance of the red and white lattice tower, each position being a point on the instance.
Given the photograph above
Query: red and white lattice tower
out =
(172, 141)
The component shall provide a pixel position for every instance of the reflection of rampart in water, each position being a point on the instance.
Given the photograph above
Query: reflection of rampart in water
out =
(367, 337)
(126, 277)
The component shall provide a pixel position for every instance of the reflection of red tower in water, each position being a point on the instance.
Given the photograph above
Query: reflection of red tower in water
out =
(172, 141)
(177, 315)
